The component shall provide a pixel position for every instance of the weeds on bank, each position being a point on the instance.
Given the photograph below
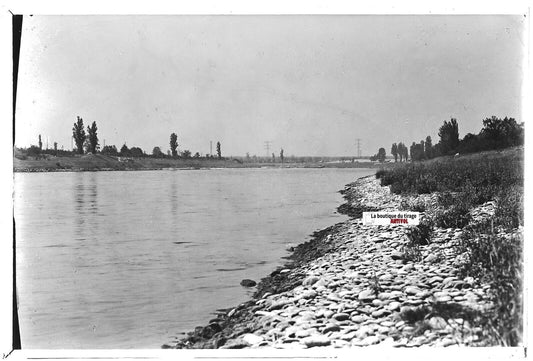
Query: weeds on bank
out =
(493, 248)
(420, 316)
(421, 234)
(417, 236)
(415, 205)
(494, 252)
(485, 173)
(374, 284)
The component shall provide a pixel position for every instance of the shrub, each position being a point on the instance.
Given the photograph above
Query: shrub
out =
(456, 216)
(413, 206)
(411, 250)
(380, 173)
(510, 209)
(415, 314)
(421, 234)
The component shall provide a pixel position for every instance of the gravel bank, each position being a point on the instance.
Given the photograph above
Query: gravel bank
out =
(351, 285)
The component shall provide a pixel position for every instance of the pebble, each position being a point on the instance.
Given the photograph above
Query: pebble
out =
(252, 339)
(367, 295)
(341, 316)
(437, 323)
(380, 313)
(310, 281)
(313, 341)
(394, 306)
(358, 319)
(412, 290)
(396, 255)
(331, 328)
(301, 333)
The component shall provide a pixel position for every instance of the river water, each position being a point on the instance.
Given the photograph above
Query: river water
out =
(131, 259)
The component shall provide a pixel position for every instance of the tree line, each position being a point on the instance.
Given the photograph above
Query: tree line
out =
(496, 134)
(86, 141)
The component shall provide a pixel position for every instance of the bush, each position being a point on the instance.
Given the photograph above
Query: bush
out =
(415, 206)
(411, 252)
(510, 209)
(455, 217)
(380, 173)
(421, 234)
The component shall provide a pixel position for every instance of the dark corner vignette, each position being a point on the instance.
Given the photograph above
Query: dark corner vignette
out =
(17, 31)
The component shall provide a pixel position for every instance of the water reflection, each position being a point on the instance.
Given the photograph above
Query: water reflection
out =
(174, 198)
(78, 188)
(85, 195)
(92, 194)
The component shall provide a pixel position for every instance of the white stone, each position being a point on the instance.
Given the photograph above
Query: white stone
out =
(252, 339)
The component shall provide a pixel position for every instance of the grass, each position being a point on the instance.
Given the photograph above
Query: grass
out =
(494, 247)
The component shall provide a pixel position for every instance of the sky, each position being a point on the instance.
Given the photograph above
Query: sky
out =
(310, 84)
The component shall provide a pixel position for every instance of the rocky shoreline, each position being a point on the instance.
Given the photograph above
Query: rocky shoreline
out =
(354, 285)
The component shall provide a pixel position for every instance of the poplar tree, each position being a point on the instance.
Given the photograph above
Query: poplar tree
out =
(78, 133)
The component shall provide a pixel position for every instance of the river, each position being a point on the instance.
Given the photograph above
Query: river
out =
(131, 259)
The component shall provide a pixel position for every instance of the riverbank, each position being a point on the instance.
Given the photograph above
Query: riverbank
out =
(99, 162)
(356, 285)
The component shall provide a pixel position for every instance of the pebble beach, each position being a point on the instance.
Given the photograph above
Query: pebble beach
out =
(352, 285)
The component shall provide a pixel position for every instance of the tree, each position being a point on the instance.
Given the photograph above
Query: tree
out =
(417, 151)
(219, 153)
(394, 151)
(428, 151)
(186, 154)
(174, 144)
(381, 155)
(157, 153)
(501, 133)
(449, 137)
(78, 133)
(470, 143)
(110, 150)
(93, 138)
(55, 147)
(40, 143)
(136, 152)
(34, 151)
(124, 151)
(281, 155)
(197, 155)
(273, 158)
(402, 152)
(405, 153)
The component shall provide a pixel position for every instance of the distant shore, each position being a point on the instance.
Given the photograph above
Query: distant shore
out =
(98, 162)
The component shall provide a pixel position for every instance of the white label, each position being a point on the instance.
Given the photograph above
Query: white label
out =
(391, 218)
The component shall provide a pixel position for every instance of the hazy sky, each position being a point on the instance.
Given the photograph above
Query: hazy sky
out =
(309, 84)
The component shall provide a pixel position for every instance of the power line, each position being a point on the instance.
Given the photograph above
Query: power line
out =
(358, 144)
(267, 147)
